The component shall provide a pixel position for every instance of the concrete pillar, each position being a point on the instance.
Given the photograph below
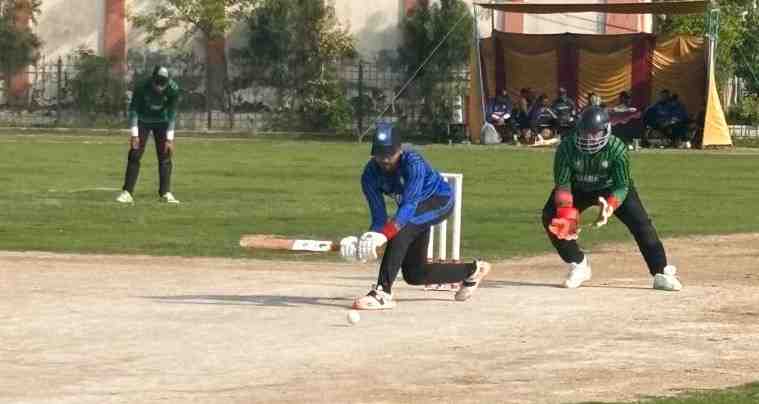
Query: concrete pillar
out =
(512, 22)
(18, 83)
(623, 23)
(114, 39)
(410, 5)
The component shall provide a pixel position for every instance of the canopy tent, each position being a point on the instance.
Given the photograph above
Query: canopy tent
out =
(662, 7)
(641, 64)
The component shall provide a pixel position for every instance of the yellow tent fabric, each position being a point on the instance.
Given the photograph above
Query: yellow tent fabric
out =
(679, 65)
(535, 71)
(604, 74)
(716, 132)
(659, 7)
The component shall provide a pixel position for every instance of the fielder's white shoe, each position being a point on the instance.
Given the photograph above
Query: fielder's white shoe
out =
(578, 273)
(667, 280)
(376, 299)
(471, 283)
(125, 197)
(169, 198)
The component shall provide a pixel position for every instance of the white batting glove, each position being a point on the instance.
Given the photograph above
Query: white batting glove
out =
(349, 248)
(606, 211)
(170, 135)
(135, 131)
(368, 245)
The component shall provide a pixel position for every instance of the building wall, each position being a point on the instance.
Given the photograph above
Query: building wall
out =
(376, 23)
(586, 23)
(589, 23)
(65, 25)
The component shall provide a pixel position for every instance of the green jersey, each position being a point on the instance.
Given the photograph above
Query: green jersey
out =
(149, 107)
(607, 170)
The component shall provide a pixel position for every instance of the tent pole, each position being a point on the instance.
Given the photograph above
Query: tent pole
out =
(476, 34)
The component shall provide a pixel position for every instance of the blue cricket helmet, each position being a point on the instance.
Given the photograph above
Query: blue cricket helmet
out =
(386, 141)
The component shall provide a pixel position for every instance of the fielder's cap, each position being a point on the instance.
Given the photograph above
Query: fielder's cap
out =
(386, 141)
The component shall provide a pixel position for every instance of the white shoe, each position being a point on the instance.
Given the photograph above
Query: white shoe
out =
(169, 198)
(471, 283)
(578, 273)
(376, 299)
(667, 280)
(125, 197)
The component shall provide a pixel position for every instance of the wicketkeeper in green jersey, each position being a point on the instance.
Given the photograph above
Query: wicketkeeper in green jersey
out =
(153, 109)
(592, 167)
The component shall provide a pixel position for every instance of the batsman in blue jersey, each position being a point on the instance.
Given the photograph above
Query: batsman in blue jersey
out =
(424, 199)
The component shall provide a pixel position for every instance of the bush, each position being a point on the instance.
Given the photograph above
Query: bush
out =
(96, 88)
(746, 112)
(325, 106)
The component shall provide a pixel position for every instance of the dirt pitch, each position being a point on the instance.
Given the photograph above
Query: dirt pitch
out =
(136, 329)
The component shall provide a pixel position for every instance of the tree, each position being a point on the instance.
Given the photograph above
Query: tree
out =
(731, 29)
(294, 39)
(18, 44)
(211, 18)
(747, 58)
(291, 46)
(95, 87)
(437, 83)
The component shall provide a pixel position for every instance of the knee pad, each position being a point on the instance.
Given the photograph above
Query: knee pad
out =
(135, 155)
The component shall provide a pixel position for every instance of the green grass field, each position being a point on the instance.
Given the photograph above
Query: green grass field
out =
(58, 194)
(748, 394)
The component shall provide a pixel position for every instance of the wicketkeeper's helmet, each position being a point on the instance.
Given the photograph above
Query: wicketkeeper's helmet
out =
(593, 130)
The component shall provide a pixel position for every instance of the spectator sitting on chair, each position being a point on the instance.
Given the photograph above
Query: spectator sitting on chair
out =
(680, 121)
(499, 114)
(668, 117)
(624, 103)
(542, 119)
(522, 113)
(593, 100)
(565, 110)
(656, 117)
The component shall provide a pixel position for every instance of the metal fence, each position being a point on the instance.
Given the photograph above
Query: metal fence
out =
(744, 131)
(56, 96)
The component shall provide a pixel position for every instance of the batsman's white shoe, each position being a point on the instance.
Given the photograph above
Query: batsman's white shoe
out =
(667, 280)
(578, 273)
(376, 299)
(125, 197)
(471, 283)
(169, 198)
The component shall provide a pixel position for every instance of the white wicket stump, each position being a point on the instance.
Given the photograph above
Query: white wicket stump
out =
(440, 232)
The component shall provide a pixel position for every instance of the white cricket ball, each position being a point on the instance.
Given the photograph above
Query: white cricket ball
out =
(353, 317)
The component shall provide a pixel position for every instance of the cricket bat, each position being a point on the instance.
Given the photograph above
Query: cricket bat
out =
(272, 242)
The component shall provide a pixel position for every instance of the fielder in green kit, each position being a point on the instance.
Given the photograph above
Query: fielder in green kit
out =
(592, 167)
(153, 109)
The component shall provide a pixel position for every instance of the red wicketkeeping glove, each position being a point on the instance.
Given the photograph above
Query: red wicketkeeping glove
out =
(566, 223)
